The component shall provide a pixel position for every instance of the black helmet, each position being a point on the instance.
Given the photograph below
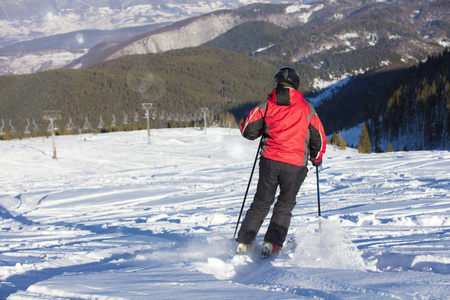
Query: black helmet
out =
(288, 74)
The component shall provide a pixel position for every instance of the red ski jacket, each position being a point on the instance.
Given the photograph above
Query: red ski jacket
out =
(292, 131)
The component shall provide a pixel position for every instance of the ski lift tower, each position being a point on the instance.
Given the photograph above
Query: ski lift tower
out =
(205, 112)
(52, 115)
(1, 128)
(147, 107)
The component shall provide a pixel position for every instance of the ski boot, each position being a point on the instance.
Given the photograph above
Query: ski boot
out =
(242, 248)
(270, 249)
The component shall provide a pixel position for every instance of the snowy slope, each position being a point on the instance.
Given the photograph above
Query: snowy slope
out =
(116, 218)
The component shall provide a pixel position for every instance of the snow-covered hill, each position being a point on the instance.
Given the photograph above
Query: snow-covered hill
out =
(116, 218)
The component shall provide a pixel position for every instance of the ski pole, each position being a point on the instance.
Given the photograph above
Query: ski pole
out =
(246, 192)
(318, 202)
(318, 194)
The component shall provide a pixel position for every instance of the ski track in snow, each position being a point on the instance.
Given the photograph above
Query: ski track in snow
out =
(116, 218)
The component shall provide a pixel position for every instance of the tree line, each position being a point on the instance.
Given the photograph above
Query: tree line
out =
(416, 114)
(412, 112)
(178, 83)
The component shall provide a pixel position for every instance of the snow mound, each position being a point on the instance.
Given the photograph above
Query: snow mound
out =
(325, 246)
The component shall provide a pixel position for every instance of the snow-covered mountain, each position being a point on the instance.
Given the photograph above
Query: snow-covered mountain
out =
(47, 21)
(27, 19)
(100, 30)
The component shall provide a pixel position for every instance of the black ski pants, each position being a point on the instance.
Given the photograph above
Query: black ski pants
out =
(271, 175)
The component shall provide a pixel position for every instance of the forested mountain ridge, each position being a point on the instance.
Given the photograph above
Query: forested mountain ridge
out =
(318, 33)
(312, 30)
(408, 109)
(346, 37)
(178, 82)
(39, 35)
(416, 116)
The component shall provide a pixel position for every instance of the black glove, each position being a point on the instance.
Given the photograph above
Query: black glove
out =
(316, 164)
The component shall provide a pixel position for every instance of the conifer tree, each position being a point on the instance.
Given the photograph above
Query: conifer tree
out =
(389, 148)
(341, 143)
(334, 139)
(364, 144)
(378, 149)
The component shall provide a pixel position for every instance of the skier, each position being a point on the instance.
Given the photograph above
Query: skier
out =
(291, 133)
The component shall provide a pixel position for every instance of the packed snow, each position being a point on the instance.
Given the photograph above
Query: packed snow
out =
(114, 217)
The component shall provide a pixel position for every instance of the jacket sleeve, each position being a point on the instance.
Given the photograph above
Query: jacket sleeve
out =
(317, 139)
(253, 126)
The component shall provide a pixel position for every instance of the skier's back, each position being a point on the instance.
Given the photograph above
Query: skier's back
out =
(292, 134)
